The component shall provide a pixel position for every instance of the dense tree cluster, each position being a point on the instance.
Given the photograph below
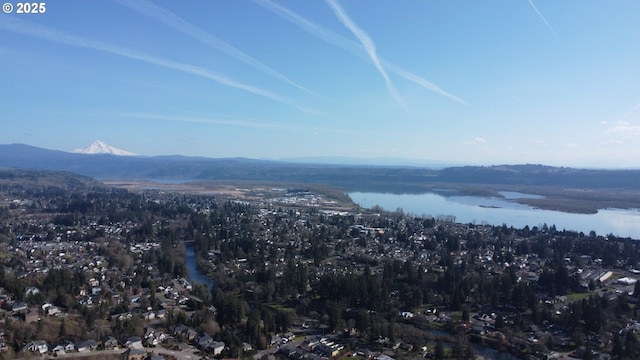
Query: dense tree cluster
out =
(274, 266)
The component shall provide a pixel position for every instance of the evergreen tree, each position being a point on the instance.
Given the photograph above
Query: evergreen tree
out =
(439, 352)
(465, 314)
(63, 329)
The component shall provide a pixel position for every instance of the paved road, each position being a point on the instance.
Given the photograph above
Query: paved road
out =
(186, 354)
(273, 350)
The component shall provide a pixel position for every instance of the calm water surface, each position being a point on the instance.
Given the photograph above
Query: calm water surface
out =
(195, 275)
(498, 211)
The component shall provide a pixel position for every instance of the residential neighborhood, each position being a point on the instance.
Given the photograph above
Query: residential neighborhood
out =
(296, 274)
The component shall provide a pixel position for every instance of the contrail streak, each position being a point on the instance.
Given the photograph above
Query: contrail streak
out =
(313, 28)
(38, 31)
(223, 120)
(168, 18)
(354, 48)
(519, 100)
(421, 81)
(369, 46)
(543, 19)
(628, 113)
(202, 120)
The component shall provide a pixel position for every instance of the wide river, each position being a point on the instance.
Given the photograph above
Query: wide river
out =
(498, 211)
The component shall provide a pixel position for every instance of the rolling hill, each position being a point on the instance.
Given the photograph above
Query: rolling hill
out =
(360, 178)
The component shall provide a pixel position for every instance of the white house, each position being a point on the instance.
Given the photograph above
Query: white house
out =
(406, 314)
(133, 342)
(87, 345)
(38, 346)
(627, 281)
(64, 346)
(216, 347)
(31, 290)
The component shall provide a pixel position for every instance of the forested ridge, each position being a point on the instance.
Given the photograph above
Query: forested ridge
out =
(360, 178)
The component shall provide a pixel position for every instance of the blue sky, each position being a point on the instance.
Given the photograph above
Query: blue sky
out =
(470, 82)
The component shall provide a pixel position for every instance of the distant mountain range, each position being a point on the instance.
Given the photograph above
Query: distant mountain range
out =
(379, 161)
(361, 178)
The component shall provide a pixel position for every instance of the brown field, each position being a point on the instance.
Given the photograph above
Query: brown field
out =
(581, 201)
(240, 190)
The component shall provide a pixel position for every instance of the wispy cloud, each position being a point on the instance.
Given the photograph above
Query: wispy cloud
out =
(216, 119)
(476, 141)
(633, 109)
(368, 45)
(519, 100)
(168, 18)
(313, 28)
(625, 130)
(421, 81)
(10, 53)
(543, 19)
(35, 30)
(354, 48)
(211, 120)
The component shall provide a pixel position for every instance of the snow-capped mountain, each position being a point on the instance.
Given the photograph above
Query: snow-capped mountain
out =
(99, 147)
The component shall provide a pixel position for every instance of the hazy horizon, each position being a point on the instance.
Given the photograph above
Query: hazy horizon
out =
(486, 83)
(388, 162)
